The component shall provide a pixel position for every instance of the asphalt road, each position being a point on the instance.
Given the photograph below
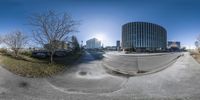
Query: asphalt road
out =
(134, 63)
(87, 80)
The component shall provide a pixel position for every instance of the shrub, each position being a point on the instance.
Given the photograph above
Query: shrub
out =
(26, 53)
(3, 50)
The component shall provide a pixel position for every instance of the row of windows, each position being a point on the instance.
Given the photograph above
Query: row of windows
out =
(141, 34)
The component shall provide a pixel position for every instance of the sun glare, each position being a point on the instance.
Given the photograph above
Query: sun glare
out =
(100, 37)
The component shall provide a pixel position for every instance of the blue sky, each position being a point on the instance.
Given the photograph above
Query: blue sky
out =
(104, 18)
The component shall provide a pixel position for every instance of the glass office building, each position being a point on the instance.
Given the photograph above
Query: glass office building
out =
(143, 36)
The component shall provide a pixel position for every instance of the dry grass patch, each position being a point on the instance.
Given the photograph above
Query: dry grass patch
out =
(30, 67)
(196, 56)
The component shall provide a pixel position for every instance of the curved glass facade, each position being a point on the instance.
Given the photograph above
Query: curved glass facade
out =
(143, 36)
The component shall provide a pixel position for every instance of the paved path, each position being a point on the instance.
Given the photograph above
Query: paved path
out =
(179, 81)
(88, 76)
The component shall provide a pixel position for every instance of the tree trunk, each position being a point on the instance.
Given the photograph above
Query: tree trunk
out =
(51, 58)
(16, 53)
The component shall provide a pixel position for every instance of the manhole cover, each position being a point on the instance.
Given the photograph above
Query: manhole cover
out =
(82, 73)
(23, 84)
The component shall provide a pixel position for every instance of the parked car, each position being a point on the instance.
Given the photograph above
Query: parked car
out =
(40, 54)
(44, 53)
(60, 53)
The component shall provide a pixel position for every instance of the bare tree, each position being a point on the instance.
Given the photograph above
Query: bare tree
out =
(0, 39)
(16, 41)
(197, 43)
(50, 27)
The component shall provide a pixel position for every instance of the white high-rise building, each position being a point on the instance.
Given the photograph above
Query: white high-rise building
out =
(93, 44)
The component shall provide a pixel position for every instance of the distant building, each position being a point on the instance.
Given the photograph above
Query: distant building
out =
(174, 45)
(110, 48)
(143, 36)
(58, 44)
(118, 45)
(93, 44)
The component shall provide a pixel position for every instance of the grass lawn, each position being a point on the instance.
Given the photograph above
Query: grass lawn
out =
(31, 67)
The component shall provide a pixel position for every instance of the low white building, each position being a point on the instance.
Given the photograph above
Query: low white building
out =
(93, 44)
